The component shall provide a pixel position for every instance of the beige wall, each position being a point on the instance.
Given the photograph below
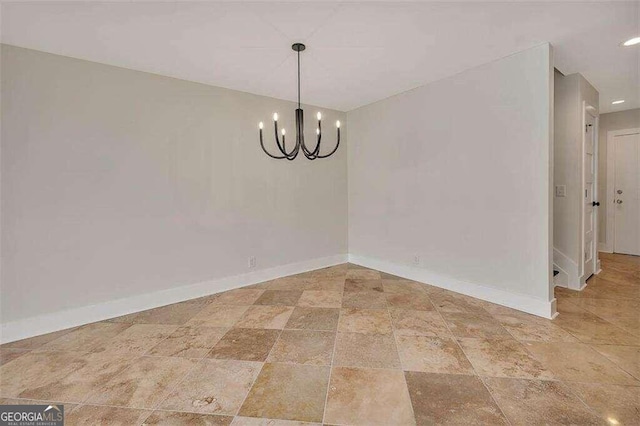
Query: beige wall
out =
(457, 173)
(629, 119)
(117, 183)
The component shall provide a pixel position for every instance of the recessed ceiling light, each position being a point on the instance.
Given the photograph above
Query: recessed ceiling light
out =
(621, 101)
(632, 42)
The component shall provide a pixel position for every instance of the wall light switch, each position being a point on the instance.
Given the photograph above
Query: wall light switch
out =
(561, 190)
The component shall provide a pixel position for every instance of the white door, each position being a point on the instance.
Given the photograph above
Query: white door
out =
(627, 194)
(589, 212)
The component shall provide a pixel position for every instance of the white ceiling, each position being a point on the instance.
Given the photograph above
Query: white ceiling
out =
(357, 53)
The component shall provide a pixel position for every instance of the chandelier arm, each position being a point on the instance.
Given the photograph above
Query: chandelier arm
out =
(267, 152)
(334, 149)
(280, 147)
(311, 155)
(317, 151)
(294, 153)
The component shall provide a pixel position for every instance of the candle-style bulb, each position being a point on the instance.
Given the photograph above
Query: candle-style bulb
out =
(283, 132)
(260, 125)
(275, 116)
(317, 131)
(319, 116)
(338, 124)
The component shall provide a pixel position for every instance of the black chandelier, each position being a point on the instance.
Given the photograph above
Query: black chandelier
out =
(290, 155)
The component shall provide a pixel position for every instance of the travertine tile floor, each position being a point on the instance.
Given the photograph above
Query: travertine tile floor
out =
(346, 346)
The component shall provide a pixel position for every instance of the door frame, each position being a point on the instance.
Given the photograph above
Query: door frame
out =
(593, 112)
(609, 244)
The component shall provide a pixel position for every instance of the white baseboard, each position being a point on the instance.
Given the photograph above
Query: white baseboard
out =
(48, 323)
(531, 305)
(604, 247)
(565, 264)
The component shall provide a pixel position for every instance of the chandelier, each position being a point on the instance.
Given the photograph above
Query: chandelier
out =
(311, 154)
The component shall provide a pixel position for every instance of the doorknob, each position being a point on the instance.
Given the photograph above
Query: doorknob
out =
(619, 191)
(619, 201)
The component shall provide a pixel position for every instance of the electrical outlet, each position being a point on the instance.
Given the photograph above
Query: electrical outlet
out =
(561, 190)
(416, 260)
(252, 262)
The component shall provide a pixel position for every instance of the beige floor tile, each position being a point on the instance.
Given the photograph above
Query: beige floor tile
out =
(326, 284)
(274, 317)
(363, 285)
(337, 271)
(294, 283)
(578, 362)
(172, 418)
(417, 302)
(86, 338)
(360, 396)
(279, 298)
(214, 387)
(526, 327)
(590, 328)
(177, 313)
(325, 319)
(364, 300)
(254, 421)
(16, 401)
(473, 325)
(616, 405)
(9, 354)
(146, 382)
(625, 357)
(190, 341)
(370, 321)
(400, 285)
(447, 301)
(630, 324)
(137, 339)
(307, 347)
(238, 297)
(608, 308)
(450, 399)
(218, 316)
(245, 344)
(363, 274)
(288, 392)
(24, 377)
(600, 288)
(112, 416)
(366, 351)
(320, 299)
(418, 323)
(91, 371)
(503, 358)
(538, 402)
(432, 355)
(37, 341)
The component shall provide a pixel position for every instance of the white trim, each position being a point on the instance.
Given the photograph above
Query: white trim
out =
(611, 177)
(603, 247)
(592, 111)
(521, 302)
(569, 267)
(35, 326)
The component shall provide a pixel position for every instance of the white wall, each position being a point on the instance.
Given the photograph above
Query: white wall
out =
(629, 119)
(570, 93)
(457, 172)
(117, 183)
